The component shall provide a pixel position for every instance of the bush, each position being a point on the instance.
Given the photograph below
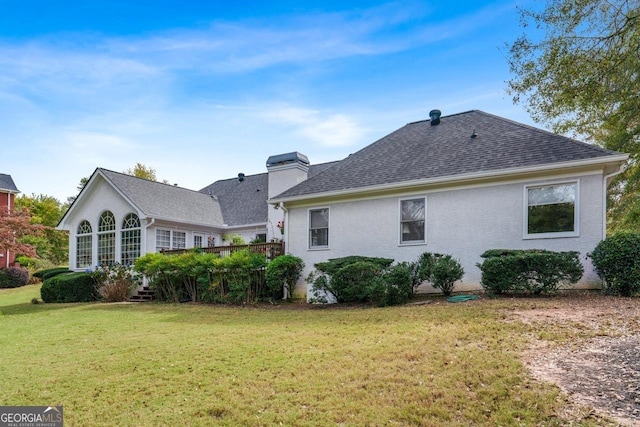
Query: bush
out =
(284, 271)
(196, 276)
(362, 279)
(69, 287)
(13, 277)
(442, 271)
(533, 271)
(446, 271)
(333, 265)
(50, 272)
(393, 286)
(617, 262)
(114, 283)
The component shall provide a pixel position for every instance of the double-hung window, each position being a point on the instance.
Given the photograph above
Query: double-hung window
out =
(318, 228)
(412, 220)
(551, 210)
(170, 239)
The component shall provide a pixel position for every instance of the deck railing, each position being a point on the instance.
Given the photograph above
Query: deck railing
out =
(270, 250)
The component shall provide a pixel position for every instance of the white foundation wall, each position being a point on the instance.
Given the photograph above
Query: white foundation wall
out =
(462, 222)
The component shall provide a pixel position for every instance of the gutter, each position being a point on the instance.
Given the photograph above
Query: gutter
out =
(286, 224)
(454, 178)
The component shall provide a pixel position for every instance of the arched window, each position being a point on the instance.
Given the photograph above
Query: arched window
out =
(130, 239)
(84, 244)
(106, 239)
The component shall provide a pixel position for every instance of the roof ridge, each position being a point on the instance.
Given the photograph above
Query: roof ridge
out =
(443, 117)
(126, 175)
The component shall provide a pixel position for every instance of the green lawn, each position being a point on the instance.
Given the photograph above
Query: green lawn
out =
(157, 364)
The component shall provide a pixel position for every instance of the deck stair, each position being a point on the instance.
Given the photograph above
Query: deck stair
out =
(144, 295)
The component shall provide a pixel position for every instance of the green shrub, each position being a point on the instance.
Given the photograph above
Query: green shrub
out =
(446, 271)
(284, 271)
(50, 272)
(442, 271)
(393, 286)
(69, 287)
(617, 262)
(197, 276)
(348, 279)
(533, 271)
(333, 265)
(13, 277)
(114, 283)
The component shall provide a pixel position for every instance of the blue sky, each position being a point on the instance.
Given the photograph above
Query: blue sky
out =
(201, 91)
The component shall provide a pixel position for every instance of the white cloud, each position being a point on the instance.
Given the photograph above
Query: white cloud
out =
(333, 130)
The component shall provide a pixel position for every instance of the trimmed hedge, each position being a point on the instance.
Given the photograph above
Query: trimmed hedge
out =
(335, 264)
(535, 271)
(362, 279)
(13, 277)
(69, 287)
(50, 272)
(617, 262)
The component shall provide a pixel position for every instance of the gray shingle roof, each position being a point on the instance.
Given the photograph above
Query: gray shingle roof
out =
(245, 202)
(419, 151)
(7, 184)
(165, 201)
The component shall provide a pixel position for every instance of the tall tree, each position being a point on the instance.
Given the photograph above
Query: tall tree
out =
(142, 171)
(50, 244)
(14, 226)
(577, 69)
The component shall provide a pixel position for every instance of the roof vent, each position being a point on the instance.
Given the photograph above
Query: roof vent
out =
(474, 134)
(434, 115)
(240, 177)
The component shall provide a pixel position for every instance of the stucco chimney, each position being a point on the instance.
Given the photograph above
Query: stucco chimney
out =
(285, 171)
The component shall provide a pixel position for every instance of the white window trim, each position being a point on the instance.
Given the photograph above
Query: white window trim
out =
(413, 242)
(171, 238)
(318, 248)
(525, 212)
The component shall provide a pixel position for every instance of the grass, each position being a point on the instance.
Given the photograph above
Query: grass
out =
(438, 364)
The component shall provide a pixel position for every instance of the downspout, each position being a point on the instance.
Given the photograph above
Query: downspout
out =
(605, 185)
(286, 226)
(146, 232)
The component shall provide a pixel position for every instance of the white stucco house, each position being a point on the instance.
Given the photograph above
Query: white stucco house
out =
(457, 184)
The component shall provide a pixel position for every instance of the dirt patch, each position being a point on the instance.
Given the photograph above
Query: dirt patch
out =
(600, 369)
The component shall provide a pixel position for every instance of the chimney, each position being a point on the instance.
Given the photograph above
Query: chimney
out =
(434, 115)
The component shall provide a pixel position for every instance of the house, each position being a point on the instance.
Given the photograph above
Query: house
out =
(118, 217)
(8, 193)
(457, 184)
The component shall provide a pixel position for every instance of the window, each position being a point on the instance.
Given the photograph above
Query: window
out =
(179, 240)
(551, 210)
(197, 240)
(412, 220)
(319, 228)
(130, 239)
(167, 239)
(106, 239)
(84, 245)
(163, 240)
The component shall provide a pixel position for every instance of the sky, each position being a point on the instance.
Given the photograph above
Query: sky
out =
(203, 90)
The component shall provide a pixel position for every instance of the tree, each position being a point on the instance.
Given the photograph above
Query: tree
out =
(14, 226)
(578, 71)
(51, 244)
(142, 171)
